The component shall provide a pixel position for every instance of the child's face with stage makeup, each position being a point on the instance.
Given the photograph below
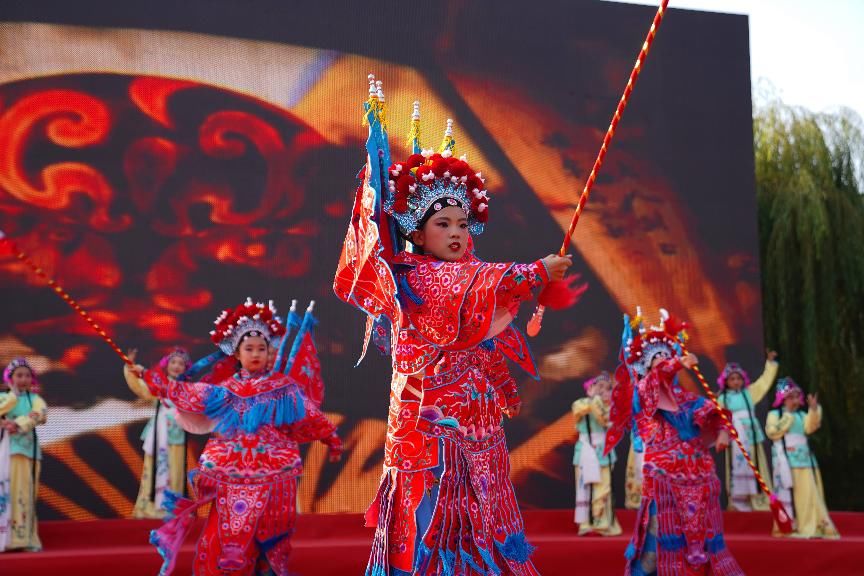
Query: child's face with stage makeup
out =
(176, 366)
(792, 401)
(444, 235)
(601, 388)
(734, 382)
(22, 379)
(252, 353)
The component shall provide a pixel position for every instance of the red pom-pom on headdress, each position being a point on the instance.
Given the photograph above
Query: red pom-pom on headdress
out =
(646, 343)
(416, 184)
(233, 324)
(414, 161)
(428, 179)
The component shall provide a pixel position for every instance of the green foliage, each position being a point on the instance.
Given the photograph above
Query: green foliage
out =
(811, 228)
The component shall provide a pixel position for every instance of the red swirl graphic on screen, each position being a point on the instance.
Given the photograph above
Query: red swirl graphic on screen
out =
(69, 119)
(151, 95)
(136, 192)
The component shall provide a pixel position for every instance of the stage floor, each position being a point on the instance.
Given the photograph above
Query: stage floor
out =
(338, 544)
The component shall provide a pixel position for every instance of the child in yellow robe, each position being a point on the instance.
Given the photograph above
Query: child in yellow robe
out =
(741, 397)
(164, 441)
(797, 479)
(593, 469)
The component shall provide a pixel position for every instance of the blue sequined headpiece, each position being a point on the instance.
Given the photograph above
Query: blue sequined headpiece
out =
(437, 197)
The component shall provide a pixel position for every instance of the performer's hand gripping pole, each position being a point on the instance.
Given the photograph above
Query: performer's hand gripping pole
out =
(536, 321)
(23, 257)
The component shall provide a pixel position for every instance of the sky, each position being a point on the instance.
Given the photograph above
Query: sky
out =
(810, 52)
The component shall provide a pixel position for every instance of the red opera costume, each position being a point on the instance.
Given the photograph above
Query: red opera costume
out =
(448, 412)
(445, 504)
(250, 465)
(679, 525)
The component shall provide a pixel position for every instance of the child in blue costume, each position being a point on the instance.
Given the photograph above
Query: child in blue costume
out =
(25, 462)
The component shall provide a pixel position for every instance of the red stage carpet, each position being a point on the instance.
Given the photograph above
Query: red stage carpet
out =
(338, 544)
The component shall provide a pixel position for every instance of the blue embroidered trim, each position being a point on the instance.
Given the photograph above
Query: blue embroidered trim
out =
(278, 408)
(650, 544)
(274, 540)
(638, 445)
(682, 420)
(163, 552)
(636, 570)
(715, 544)
(405, 291)
(421, 559)
(671, 542)
(468, 560)
(448, 562)
(489, 561)
(448, 421)
(169, 503)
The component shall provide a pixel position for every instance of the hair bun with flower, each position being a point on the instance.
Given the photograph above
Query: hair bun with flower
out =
(249, 317)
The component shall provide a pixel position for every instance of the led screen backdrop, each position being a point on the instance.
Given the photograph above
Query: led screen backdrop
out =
(165, 161)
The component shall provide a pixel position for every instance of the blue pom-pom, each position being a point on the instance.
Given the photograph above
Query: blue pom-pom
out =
(516, 547)
(715, 544)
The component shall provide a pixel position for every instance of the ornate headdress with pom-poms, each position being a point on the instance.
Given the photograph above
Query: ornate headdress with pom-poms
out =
(177, 352)
(14, 365)
(247, 319)
(728, 370)
(429, 181)
(641, 348)
(603, 376)
(785, 387)
(639, 345)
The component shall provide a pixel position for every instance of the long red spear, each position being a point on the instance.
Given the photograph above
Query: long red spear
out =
(536, 321)
(535, 324)
(781, 516)
(23, 257)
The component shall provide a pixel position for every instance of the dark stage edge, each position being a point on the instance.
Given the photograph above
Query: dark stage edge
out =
(338, 544)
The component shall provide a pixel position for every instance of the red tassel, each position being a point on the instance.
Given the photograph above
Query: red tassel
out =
(563, 293)
(784, 522)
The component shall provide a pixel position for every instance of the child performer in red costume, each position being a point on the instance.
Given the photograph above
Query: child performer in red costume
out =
(679, 526)
(250, 465)
(445, 504)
